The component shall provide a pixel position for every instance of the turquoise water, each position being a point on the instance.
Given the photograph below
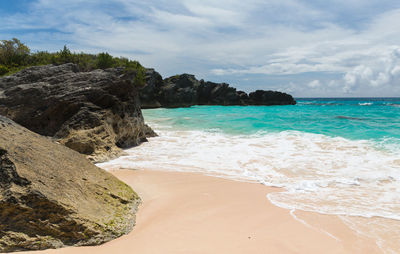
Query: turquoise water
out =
(331, 156)
(356, 119)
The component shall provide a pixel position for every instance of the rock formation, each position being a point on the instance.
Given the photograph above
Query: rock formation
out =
(52, 196)
(210, 93)
(150, 94)
(261, 97)
(95, 113)
(185, 91)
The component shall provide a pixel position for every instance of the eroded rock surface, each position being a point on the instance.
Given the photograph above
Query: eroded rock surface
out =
(52, 196)
(95, 113)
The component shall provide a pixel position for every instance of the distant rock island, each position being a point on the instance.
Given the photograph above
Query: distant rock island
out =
(185, 91)
(52, 196)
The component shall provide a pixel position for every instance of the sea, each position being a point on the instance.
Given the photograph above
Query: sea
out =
(338, 156)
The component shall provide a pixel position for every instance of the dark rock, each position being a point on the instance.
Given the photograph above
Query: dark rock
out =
(179, 91)
(217, 94)
(261, 97)
(185, 91)
(52, 196)
(150, 94)
(243, 96)
(95, 113)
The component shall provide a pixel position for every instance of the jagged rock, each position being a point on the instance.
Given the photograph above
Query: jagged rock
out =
(210, 93)
(149, 95)
(95, 113)
(185, 91)
(52, 196)
(179, 91)
(261, 97)
(243, 96)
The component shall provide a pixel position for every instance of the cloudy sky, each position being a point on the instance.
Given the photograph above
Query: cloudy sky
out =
(308, 48)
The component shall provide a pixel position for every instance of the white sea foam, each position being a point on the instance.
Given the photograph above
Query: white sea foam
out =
(365, 103)
(359, 180)
(319, 173)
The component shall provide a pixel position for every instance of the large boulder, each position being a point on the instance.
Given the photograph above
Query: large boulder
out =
(95, 113)
(52, 196)
(185, 91)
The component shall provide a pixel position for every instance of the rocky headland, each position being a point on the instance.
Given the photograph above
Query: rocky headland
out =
(96, 113)
(52, 196)
(185, 91)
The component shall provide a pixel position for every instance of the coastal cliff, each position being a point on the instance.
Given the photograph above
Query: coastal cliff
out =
(52, 196)
(96, 113)
(185, 91)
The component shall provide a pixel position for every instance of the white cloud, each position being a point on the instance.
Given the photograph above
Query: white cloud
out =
(314, 84)
(377, 72)
(229, 38)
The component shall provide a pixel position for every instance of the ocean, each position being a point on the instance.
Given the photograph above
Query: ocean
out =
(337, 156)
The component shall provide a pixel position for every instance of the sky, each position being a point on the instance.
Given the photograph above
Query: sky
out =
(308, 48)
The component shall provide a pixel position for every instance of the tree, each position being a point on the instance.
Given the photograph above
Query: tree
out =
(13, 53)
(104, 61)
(64, 56)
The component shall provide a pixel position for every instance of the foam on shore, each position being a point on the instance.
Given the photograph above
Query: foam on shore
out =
(319, 173)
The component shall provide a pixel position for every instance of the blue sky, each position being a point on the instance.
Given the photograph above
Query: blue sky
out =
(308, 48)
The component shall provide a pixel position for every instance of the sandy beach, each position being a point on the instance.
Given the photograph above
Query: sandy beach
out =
(199, 127)
(194, 213)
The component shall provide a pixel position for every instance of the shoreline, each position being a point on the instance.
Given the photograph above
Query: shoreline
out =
(194, 213)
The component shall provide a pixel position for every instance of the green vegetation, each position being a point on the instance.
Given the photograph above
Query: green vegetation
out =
(16, 56)
(104, 60)
(3, 70)
(13, 53)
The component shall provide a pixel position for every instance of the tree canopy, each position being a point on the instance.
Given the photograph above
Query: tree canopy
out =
(13, 52)
(15, 56)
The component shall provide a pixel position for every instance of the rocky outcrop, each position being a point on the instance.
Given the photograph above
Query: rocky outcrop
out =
(52, 196)
(179, 91)
(150, 94)
(261, 97)
(210, 93)
(185, 91)
(95, 113)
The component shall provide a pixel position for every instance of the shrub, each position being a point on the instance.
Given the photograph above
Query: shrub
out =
(104, 61)
(40, 58)
(62, 57)
(86, 62)
(13, 52)
(3, 70)
(15, 56)
(140, 78)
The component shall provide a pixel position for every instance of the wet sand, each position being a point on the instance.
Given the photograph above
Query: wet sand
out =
(194, 213)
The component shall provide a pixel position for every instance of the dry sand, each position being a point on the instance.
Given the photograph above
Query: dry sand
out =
(193, 213)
